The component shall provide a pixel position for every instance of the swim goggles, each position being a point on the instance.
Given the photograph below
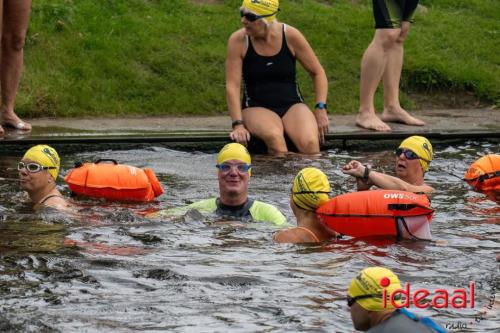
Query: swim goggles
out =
(224, 167)
(33, 167)
(410, 155)
(251, 17)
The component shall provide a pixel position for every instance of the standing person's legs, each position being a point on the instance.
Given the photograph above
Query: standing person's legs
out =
(15, 25)
(267, 126)
(302, 128)
(373, 65)
(393, 111)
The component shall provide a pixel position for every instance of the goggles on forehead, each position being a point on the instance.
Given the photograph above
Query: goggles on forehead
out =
(225, 167)
(251, 17)
(33, 167)
(410, 155)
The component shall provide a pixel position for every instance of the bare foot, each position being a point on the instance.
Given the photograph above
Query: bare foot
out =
(371, 121)
(401, 116)
(10, 119)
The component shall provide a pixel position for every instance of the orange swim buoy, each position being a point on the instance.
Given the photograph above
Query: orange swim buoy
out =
(378, 213)
(484, 173)
(113, 181)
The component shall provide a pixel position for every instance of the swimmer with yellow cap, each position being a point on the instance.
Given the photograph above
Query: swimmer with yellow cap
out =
(270, 93)
(234, 166)
(370, 312)
(38, 172)
(413, 157)
(310, 189)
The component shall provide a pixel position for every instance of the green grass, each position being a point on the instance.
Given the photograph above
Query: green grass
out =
(152, 57)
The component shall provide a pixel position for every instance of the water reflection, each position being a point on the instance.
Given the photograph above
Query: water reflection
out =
(108, 268)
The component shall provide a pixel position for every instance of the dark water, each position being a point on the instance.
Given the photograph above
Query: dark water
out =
(109, 269)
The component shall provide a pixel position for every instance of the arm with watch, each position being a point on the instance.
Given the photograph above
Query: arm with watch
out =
(366, 177)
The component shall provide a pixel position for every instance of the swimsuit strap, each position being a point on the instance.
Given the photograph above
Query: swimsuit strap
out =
(48, 197)
(310, 233)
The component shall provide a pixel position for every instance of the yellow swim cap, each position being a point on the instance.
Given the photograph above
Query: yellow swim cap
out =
(310, 188)
(45, 156)
(371, 281)
(262, 7)
(420, 146)
(234, 151)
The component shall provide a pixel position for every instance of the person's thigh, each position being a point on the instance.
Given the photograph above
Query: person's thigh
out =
(266, 125)
(302, 128)
(16, 14)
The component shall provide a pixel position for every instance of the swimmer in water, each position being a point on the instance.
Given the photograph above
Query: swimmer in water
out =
(234, 168)
(413, 157)
(310, 189)
(38, 170)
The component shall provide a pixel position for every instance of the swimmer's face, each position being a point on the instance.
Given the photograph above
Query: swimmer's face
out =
(251, 27)
(33, 182)
(407, 169)
(233, 181)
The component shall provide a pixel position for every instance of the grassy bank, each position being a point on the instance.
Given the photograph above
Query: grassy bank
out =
(117, 57)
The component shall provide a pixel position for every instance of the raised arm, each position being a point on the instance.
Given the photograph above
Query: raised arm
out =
(381, 180)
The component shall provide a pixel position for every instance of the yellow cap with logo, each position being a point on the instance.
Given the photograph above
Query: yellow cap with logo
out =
(234, 151)
(262, 7)
(310, 188)
(371, 281)
(45, 156)
(420, 146)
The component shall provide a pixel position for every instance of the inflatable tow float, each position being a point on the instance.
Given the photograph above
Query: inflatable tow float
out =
(484, 173)
(113, 181)
(378, 213)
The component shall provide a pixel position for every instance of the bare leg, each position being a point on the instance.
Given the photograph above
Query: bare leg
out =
(372, 68)
(302, 128)
(15, 25)
(266, 125)
(393, 112)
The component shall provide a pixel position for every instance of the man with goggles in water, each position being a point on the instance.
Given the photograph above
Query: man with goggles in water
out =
(234, 170)
(370, 313)
(38, 172)
(413, 157)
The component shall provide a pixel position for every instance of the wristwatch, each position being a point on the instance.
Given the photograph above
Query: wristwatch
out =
(321, 106)
(236, 123)
(366, 173)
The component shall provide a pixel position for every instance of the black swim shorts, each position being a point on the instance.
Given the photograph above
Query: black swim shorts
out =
(390, 13)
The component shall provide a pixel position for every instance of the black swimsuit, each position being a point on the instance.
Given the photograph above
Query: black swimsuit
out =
(270, 80)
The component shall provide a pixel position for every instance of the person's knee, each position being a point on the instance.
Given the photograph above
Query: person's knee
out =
(308, 145)
(13, 42)
(275, 140)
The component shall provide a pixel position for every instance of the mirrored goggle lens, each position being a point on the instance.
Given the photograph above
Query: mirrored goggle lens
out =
(239, 167)
(408, 154)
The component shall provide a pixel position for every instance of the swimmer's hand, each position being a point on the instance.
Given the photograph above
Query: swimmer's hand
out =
(240, 134)
(323, 123)
(354, 168)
